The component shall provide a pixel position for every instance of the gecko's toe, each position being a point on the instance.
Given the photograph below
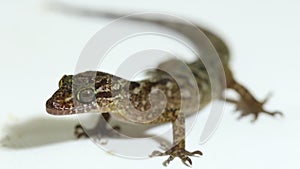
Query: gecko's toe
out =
(194, 153)
(167, 162)
(79, 132)
(156, 153)
(277, 113)
(186, 161)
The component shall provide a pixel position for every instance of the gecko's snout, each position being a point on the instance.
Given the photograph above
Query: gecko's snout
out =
(61, 102)
(56, 108)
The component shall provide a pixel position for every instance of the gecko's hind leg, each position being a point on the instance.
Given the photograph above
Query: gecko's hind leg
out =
(102, 128)
(247, 103)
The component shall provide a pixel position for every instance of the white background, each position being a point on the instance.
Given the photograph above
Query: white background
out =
(38, 46)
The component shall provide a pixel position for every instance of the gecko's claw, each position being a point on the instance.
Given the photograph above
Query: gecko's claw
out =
(177, 152)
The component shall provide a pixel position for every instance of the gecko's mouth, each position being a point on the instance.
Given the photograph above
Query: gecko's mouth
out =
(59, 112)
(67, 108)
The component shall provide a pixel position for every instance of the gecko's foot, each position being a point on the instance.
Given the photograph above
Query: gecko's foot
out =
(79, 131)
(249, 105)
(177, 152)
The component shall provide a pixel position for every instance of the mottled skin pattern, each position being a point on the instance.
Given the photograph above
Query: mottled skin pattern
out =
(129, 101)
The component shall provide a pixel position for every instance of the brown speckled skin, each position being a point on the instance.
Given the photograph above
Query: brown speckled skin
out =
(111, 91)
(114, 94)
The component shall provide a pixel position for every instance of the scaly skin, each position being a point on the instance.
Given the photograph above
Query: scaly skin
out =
(100, 92)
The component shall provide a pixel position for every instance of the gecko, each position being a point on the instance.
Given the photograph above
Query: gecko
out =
(101, 92)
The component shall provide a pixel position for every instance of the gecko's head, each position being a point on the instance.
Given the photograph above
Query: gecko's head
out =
(81, 93)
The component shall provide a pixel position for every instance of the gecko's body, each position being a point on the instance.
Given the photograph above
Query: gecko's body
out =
(95, 91)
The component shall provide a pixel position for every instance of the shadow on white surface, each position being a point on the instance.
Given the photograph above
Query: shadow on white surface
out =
(38, 131)
(41, 131)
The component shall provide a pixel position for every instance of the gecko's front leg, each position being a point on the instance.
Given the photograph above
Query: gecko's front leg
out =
(178, 149)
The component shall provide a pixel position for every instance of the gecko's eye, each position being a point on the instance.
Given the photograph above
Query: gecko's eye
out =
(86, 95)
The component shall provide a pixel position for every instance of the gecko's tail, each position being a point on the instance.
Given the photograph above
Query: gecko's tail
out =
(83, 11)
(101, 13)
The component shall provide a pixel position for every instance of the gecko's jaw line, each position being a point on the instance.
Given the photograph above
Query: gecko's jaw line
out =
(55, 108)
(59, 112)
